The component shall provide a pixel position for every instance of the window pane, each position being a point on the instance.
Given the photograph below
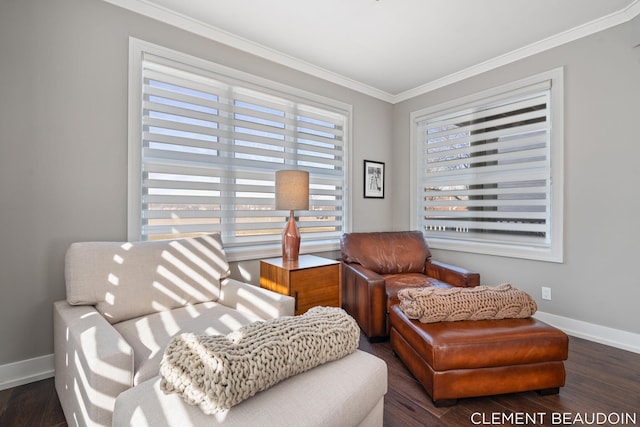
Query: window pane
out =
(210, 149)
(484, 174)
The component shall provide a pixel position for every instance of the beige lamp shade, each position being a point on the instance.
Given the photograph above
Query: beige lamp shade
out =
(292, 190)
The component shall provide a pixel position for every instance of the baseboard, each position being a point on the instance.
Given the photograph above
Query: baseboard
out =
(26, 371)
(39, 368)
(601, 334)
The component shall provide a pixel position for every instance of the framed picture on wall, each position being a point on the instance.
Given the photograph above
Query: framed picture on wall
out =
(373, 179)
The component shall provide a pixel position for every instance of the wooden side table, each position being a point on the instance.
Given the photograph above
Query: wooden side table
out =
(311, 280)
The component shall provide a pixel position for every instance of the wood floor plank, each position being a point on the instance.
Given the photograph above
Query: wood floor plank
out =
(26, 405)
(53, 415)
(5, 395)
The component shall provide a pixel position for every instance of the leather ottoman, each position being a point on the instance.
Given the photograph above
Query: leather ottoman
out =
(471, 358)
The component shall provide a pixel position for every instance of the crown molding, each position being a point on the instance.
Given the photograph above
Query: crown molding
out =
(210, 32)
(576, 33)
(186, 23)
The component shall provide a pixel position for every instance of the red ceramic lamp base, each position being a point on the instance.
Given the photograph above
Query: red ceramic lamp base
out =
(290, 240)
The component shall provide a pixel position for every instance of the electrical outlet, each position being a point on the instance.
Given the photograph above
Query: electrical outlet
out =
(546, 293)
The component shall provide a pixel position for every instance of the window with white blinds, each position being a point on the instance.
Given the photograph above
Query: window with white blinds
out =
(484, 176)
(208, 147)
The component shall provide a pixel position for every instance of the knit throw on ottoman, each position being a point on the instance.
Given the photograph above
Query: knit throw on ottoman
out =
(430, 304)
(218, 372)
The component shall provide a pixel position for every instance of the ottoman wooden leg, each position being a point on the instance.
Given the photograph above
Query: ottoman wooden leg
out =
(548, 391)
(444, 403)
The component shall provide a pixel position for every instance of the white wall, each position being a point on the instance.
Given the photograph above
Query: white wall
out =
(63, 145)
(598, 282)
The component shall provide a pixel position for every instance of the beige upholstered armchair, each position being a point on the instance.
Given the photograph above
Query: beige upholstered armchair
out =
(126, 301)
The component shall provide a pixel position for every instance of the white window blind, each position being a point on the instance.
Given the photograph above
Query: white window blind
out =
(210, 146)
(484, 172)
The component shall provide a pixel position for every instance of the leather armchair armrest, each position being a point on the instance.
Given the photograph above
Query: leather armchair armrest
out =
(364, 298)
(452, 274)
(364, 273)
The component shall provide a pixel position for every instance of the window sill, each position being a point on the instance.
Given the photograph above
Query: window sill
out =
(244, 253)
(525, 252)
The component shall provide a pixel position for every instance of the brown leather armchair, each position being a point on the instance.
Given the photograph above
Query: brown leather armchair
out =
(378, 264)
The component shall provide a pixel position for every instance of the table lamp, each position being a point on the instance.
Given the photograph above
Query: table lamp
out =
(292, 192)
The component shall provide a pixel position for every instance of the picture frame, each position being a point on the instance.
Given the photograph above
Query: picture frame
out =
(373, 179)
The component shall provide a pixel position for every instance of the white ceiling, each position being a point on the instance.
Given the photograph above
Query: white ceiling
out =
(391, 49)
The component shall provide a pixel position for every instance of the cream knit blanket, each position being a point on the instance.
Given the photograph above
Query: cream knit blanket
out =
(217, 372)
(430, 304)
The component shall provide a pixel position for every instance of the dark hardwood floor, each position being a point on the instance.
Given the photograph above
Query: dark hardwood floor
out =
(602, 382)
(31, 405)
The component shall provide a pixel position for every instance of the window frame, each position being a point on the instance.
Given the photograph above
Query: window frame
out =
(137, 49)
(554, 251)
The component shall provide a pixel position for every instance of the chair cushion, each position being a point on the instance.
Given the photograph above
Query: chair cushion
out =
(127, 280)
(339, 393)
(149, 335)
(388, 252)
